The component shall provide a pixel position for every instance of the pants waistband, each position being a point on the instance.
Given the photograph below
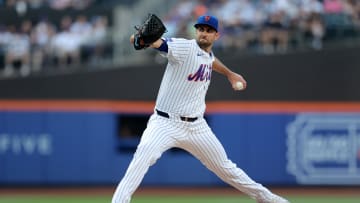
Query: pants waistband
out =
(166, 115)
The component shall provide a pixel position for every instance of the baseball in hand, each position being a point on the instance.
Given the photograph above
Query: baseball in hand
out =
(239, 86)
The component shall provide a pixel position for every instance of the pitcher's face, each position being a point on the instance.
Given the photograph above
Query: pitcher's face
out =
(206, 36)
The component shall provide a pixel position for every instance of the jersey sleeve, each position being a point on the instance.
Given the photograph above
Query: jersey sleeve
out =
(178, 49)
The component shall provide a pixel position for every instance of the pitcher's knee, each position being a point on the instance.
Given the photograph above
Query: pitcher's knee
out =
(228, 170)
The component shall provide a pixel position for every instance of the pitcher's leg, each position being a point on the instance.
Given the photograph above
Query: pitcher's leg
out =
(154, 142)
(206, 147)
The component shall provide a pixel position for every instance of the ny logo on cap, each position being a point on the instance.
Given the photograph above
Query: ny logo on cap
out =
(207, 18)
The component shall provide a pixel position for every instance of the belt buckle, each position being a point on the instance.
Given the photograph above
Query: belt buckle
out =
(188, 119)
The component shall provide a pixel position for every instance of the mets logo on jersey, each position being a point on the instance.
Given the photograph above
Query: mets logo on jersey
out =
(203, 73)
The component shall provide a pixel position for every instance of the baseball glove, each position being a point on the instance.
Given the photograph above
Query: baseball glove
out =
(147, 33)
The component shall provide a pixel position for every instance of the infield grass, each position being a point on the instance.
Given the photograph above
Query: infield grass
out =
(169, 199)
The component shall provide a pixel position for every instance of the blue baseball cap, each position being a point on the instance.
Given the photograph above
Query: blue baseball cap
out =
(211, 21)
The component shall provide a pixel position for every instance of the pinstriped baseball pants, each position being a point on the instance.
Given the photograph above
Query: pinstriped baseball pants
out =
(197, 138)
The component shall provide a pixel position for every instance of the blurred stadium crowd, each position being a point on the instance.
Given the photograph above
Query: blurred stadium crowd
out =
(54, 4)
(72, 36)
(28, 45)
(270, 26)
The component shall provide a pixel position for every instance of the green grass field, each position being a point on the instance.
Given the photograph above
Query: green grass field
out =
(169, 199)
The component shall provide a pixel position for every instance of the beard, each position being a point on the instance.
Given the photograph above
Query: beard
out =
(203, 44)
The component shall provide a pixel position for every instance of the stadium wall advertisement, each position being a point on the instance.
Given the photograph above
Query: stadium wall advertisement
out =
(60, 144)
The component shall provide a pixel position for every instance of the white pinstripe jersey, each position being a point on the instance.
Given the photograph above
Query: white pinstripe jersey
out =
(186, 79)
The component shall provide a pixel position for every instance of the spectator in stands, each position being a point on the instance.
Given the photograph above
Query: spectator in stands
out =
(82, 29)
(229, 15)
(65, 45)
(40, 39)
(81, 26)
(4, 39)
(317, 30)
(351, 10)
(17, 52)
(312, 25)
(98, 41)
(250, 20)
(274, 35)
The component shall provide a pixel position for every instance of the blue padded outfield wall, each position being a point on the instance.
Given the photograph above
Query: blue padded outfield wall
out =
(83, 148)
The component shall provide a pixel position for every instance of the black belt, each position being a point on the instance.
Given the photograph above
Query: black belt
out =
(166, 115)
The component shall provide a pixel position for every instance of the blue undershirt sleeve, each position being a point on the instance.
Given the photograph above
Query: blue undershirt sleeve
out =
(163, 47)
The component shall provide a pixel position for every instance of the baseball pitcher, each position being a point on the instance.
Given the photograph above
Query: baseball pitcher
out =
(178, 119)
